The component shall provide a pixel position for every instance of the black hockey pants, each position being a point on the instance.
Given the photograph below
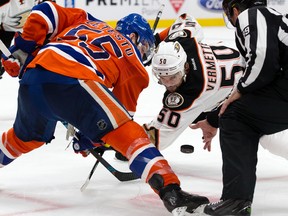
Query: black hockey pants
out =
(241, 126)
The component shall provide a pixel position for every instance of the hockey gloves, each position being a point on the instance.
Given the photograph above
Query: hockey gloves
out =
(11, 65)
(82, 144)
(22, 53)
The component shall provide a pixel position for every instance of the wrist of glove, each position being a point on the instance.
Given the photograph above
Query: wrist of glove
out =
(27, 46)
(82, 144)
(22, 53)
(17, 62)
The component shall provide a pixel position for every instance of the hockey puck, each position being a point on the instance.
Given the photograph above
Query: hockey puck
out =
(188, 149)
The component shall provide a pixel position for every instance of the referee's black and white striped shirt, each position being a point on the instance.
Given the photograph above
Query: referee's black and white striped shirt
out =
(262, 39)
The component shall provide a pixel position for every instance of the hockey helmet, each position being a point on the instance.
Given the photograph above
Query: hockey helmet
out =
(135, 23)
(228, 6)
(169, 59)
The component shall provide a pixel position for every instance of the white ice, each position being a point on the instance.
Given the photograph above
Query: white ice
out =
(47, 181)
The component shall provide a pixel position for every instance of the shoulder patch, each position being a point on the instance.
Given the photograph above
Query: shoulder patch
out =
(177, 34)
(174, 100)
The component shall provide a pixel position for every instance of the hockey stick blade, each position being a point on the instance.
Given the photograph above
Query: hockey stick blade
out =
(121, 176)
(84, 186)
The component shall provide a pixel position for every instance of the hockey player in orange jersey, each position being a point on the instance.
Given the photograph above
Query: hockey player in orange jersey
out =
(68, 61)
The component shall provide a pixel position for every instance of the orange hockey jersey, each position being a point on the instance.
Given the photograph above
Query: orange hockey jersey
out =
(83, 47)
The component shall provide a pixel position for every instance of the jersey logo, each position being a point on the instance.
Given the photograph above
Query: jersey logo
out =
(174, 100)
(102, 125)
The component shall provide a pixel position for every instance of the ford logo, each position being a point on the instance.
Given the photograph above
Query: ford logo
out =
(215, 5)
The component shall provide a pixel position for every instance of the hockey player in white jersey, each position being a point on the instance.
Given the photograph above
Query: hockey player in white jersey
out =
(173, 120)
(13, 13)
(184, 26)
(197, 77)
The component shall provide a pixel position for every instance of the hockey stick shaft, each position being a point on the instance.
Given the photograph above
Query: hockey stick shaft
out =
(4, 49)
(84, 186)
(159, 14)
(148, 58)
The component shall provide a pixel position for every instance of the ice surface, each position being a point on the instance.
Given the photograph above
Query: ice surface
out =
(47, 181)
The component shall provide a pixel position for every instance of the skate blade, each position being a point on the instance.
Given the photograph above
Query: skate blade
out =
(180, 211)
(198, 211)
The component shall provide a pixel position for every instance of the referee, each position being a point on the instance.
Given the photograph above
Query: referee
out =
(259, 104)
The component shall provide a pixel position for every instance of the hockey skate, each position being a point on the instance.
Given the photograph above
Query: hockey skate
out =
(229, 207)
(178, 201)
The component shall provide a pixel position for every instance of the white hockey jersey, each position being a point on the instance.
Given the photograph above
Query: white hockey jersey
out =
(13, 13)
(214, 70)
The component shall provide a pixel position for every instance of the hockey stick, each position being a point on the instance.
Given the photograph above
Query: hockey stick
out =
(4, 49)
(121, 176)
(70, 133)
(7, 53)
(147, 59)
(84, 186)
(159, 14)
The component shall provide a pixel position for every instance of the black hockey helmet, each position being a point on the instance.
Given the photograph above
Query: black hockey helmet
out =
(228, 5)
(241, 5)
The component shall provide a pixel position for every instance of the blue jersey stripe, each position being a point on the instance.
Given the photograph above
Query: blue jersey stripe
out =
(141, 160)
(79, 57)
(47, 10)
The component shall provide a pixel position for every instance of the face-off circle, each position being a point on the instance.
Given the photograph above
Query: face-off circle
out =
(187, 149)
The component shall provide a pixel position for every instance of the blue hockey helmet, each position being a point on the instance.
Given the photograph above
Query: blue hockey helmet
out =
(135, 23)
